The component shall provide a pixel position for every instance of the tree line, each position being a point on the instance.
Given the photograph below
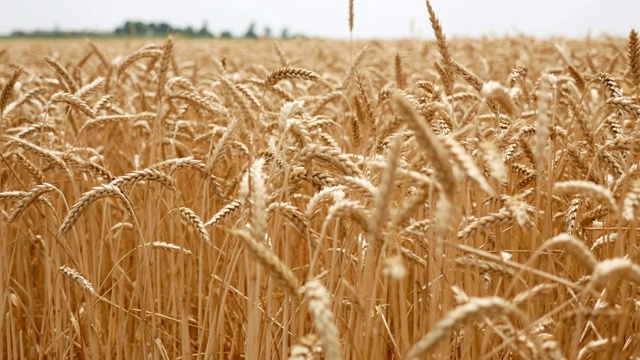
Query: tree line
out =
(162, 29)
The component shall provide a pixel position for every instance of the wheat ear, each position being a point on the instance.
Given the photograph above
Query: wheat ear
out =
(465, 161)
(254, 193)
(288, 72)
(279, 270)
(74, 101)
(45, 154)
(443, 48)
(540, 289)
(161, 245)
(484, 266)
(164, 66)
(34, 171)
(401, 78)
(98, 192)
(77, 277)
(611, 270)
(319, 303)
(469, 76)
(197, 223)
(631, 201)
(501, 217)
(589, 189)
(29, 198)
(576, 247)
(495, 93)
(381, 210)
(365, 100)
(633, 58)
(6, 91)
(608, 81)
(64, 74)
(90, 88)
(332, 156)
(140, 54)
(217, 153)
(594, 346)
(223, 213)
(143, 175)
(476, 307)
(430, 143)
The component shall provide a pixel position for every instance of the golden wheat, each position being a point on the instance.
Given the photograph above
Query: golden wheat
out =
(431, 208)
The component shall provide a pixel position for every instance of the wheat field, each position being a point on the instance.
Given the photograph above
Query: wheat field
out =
(315, 199)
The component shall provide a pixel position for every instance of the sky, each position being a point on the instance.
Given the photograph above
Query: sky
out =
(329, 18)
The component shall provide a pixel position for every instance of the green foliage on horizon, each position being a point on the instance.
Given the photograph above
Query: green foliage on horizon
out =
(152, 29)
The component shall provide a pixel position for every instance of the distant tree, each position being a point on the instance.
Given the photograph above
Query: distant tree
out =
(204, 31)
(139, 29)
(125, 29)
(251, 32)
(189, 32)
(267, 32)
(163, 29)
(152, 29)
(284, 34)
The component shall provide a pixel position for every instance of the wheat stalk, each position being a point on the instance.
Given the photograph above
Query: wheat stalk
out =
(351, 16)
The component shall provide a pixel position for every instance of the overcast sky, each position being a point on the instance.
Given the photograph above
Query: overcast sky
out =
(329, 18)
